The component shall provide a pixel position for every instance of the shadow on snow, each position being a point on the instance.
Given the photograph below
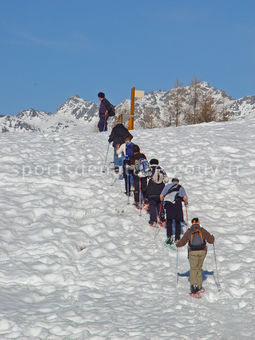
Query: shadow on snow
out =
(205, 273)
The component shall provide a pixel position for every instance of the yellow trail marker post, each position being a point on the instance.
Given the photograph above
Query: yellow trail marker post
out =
(134, 94)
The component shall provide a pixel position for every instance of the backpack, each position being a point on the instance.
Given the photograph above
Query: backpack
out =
(142, 167)
(196, 238)
(172, 193)
(109, 107)
(157, 175)
(129, 150)
(111, 111)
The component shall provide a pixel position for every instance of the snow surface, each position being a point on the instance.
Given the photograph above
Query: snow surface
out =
(77, 262)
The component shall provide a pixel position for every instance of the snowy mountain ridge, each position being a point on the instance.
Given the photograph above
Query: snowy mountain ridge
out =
(73, 111)
(156, 109)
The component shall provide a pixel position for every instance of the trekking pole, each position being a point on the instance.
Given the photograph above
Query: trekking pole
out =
(160, 210)
(128, 185)
(140, 195)
(177, 267)
(187, 218)
(217, 281)
(104, 166)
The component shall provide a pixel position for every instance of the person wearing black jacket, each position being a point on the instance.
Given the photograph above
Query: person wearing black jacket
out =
(157, 180)
(117, 137)
(140, 183)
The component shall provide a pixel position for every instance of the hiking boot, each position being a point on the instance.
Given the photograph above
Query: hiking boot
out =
(152, 223)
(144, 203)
(193, 289)
(162, 216)
(162, 224)
(169, 240)
(146, 206)
(137, 205)
(116, 170)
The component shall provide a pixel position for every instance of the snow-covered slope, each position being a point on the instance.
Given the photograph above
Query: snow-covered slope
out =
(77, 262)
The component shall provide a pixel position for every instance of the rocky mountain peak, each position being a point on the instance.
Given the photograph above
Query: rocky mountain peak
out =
(156, 109)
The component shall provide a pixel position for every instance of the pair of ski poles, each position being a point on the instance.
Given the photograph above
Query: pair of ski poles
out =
(216, 279)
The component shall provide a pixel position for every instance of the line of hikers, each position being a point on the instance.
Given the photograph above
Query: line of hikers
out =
(153, 191)
(150, 182)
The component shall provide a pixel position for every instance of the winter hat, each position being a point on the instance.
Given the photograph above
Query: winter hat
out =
(195, 220)
(154, 161)
(101, 95)
(175, 179)
(136, 148)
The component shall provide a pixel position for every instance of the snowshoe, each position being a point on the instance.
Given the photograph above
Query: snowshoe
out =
(153, 224)
(169, 242)
(137, 205)
(162, 224)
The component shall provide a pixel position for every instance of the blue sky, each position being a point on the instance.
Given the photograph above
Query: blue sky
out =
(53, 49)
